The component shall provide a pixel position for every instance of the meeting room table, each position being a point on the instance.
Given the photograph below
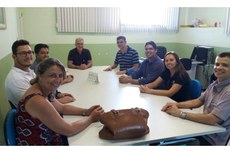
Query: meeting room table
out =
(106, 91)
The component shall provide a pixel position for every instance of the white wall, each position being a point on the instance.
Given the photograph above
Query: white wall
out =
(39, 25)
(204, 36)
(10, 34)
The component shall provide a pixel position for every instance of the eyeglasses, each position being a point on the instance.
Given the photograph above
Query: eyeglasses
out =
(25, 53)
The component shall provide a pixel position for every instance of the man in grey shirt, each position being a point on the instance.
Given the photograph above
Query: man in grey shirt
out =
(216, 101)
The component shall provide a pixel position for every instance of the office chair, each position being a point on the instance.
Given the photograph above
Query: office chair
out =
(9, 128)
(187, 63)
(196, 89)
(181, 142)
(161, 51)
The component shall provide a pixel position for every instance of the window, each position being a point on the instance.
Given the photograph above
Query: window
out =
(149, 19)
(88, 20)
(116, 20)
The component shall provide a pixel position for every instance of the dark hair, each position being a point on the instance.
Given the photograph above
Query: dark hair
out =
(44, 65)
(121, 37)
(152, 43)
(224, 54)
(38, 47)
(18, 43)
(180, 70)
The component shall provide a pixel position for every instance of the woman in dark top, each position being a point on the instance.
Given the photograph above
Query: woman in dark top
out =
(174, 81)
(38, 120)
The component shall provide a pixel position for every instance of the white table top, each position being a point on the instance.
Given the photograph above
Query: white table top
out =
(110, 94)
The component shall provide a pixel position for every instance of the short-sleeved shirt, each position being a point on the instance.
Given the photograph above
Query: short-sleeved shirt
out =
(16, 83)
(216, 99)
(79, 59)
(128, 59)
(184, 93)
(30, 130)
(149, 70)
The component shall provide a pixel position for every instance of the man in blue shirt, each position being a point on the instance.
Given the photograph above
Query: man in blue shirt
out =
(126, 57)
(79, 57)
(150, 68)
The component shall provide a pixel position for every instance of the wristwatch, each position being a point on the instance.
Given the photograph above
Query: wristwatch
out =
(183, 115)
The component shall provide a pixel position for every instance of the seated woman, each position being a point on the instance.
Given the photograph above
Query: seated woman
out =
(38, 120)
(174, 81)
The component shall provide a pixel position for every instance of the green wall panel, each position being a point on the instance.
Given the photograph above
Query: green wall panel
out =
(5, 66)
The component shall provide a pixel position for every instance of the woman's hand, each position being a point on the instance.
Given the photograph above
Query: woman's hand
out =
(95, 112)
(145, 89)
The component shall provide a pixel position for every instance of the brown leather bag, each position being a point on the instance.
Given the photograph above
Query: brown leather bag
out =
(124, 123)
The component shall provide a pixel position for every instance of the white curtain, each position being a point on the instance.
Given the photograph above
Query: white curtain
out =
(227, 26)
(150, 19)
(88, 20)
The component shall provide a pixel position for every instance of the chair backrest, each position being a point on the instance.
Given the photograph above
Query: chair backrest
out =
(187, 63)
(9, 128)
(195, 88)
(161, 51)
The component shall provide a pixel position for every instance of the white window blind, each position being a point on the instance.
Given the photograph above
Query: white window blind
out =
(227, 26)
(150, 19)
(116, 20)
(89, 20)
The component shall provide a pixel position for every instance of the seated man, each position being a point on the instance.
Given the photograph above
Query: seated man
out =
(216, 101)
(19, 77)
(150, 68)
(79, 57)
(42, 53)
(17, 80)
(126, 57)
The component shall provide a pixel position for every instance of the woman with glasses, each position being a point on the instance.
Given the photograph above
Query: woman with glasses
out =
(174, 81)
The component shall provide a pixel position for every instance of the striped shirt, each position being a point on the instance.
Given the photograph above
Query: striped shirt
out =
(128, 59)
